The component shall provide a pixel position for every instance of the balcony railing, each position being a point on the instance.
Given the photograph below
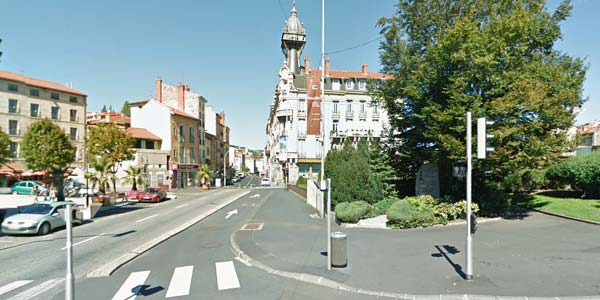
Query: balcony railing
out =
(284, 112)
(362, 115)
(302, 135)
(375, 116)
(349, 115)
(336, 115)
(301, 114)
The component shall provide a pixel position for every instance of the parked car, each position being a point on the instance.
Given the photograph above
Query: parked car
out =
(26, 187)
(152, 194)
(265, 182)
(38, 218)
(230, 181)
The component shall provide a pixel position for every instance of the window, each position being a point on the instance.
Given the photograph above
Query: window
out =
(160, 179)
(34, 92)
(192, 158)
(55, 113)
(73, 99)
(13, 87)
(13, 149)
(149, 144)
(335, 106)
(73, 115)
(362, 85)
(34, 110)
(182, 155)
(349, 106)
(13, 106)
(138, 144)
(73, 134)
(335, 85)
(54, 96)
(191, 134)
(349, 84)
(335, 126)
(362, 106)
(375, 108)
(13, 127)
(302, 105)
(181, 134)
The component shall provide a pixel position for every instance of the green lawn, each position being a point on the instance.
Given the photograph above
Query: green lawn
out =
(301, 183)
(588, 209)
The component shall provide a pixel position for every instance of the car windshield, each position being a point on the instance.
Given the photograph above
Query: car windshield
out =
(38, 209)
(151, 191)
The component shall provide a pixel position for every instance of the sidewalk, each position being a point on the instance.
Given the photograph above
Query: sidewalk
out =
(534, 255)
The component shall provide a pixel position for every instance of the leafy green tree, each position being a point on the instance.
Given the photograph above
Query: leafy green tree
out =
(111, 143)
(4, 146)
(110, 108)
(493, 58)
(102, 174)
(126, 110)
(135, 176)
(382, 169)
(46, 147)
(103, 109)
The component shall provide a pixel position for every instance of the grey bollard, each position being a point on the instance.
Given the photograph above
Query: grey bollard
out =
(338, 250)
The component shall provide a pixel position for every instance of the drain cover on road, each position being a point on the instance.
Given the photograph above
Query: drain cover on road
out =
(253, 226)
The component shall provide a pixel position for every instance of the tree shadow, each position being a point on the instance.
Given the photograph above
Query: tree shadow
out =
(145, 290)
(562, 194)
(516, 212)
(450, 250)
(117, 211)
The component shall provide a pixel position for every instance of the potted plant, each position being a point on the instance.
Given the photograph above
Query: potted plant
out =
(100, 177)
(205, 176)
(135, 176)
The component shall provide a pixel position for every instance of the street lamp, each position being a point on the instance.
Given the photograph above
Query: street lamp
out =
(225, 168)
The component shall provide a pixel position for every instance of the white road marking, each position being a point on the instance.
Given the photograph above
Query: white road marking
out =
(146, 218)
(1, 241)
(84, 241)
(37, 290)
(13, 286)
(182, 205)
(226, 276)
(128, 289)
(243, 261)
(180, 282)
(231, 213)
(255, 196)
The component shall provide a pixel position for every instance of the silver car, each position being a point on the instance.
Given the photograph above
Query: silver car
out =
(38, 218)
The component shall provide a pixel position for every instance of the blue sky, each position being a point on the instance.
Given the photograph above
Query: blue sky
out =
(227, 50)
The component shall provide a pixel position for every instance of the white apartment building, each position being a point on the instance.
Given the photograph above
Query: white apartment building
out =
(294, 128)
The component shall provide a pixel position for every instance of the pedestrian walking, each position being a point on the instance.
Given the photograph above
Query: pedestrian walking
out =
(35, 191)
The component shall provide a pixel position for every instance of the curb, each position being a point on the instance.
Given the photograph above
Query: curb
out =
(559, 215)
(108, 268)
(325, 282)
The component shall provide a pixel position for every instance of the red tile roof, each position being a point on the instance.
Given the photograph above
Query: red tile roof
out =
(588, 128)
(181, 113)
(115, 117)
(39, 83)
(142, 134)
(173, 110)
(352, 74)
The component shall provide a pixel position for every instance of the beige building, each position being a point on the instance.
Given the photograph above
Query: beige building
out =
(24, 100)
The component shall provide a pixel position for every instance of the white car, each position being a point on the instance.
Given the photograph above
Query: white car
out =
(265, 182)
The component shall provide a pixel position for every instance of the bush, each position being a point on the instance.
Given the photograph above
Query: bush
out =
(381, 207)
(582, 173)
(301, 183)
(352, 212)
(404, 214)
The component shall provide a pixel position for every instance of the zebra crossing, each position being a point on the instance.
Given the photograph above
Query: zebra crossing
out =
(179, 285)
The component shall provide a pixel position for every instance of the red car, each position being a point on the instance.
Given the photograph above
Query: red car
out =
(152, 194)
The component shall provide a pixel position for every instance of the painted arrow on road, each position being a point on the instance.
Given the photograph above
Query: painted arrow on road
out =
(255, 196)
(231, 213)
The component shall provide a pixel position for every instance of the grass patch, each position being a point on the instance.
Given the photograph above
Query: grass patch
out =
(301, 183)
(588, 209)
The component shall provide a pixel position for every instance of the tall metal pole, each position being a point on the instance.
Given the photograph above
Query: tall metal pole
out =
(69, 278)
(469, 253)
(225, 169)
(328, 223)
(322, 91)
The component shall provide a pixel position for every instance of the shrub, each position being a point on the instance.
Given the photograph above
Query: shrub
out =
(582, 173)
(381, 207)
(301, 183)
(422, 202)
(352, 212)
(404, 214)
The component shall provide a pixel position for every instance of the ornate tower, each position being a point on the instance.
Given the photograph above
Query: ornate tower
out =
(293, 40)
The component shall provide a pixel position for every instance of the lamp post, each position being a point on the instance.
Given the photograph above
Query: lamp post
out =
(322, 90)
(225, 168)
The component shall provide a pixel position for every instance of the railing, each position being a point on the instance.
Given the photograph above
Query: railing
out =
(336, 115)
(302, 114)
(362, 115)
(302, 135)
(375, 116)
(350, 115)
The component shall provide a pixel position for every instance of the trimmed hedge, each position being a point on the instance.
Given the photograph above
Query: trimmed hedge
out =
(425, 211)
(352, 212)
(582, 173)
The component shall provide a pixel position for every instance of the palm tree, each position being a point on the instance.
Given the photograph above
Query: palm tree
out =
(205, 175)
(102, 176)
(135, 176)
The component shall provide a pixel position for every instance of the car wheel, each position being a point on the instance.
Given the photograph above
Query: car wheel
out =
(44, 229)
(15, 193)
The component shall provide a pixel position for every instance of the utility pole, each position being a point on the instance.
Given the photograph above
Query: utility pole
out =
(69, 278)
(322, 91)
(469, 253)
(225, 168)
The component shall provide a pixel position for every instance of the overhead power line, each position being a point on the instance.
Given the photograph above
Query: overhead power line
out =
(356, 46)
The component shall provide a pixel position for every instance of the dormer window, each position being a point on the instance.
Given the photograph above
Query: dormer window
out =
(349, 84)
(362, 85)
(335, 85)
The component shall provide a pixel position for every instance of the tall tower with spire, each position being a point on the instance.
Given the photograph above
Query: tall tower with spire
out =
(293, 40)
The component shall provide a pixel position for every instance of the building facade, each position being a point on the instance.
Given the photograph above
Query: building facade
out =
(301, 126)
(24, 100)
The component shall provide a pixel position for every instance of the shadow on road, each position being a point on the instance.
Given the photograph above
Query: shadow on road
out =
(118, 210)
(145, 290)
(449, 250)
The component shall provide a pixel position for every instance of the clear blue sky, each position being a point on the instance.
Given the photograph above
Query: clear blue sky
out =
(226, 50)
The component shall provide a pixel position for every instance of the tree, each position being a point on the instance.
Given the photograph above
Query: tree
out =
(135, 176)
(493, 58)
(4, 146)
(126, 110)
(46, 147)
(103, 109)
(205, 175)
(111, 143)
(382, 169)
(110, 108)
(102, 174)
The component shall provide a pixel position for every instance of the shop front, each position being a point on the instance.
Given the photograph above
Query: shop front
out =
(185, 176)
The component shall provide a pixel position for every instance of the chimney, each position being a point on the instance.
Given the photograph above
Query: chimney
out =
(365, 70)
(222, 114)
(180, 96)
(327, 66)
(158, 89)
(187, 88)
(307, 64)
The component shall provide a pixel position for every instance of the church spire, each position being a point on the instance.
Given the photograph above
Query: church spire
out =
(293, 40)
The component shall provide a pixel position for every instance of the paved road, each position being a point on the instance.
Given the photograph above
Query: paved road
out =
(38, 263)
(199, 264)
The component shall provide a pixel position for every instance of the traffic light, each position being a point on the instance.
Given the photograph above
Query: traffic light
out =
(482, 137)
(473, 223)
